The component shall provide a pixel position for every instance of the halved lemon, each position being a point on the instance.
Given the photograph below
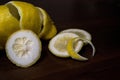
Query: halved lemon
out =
(23, 48)
(8, 25)
(27, 14)
(58, 44)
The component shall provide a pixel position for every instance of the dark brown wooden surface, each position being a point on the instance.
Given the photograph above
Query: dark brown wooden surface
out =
(99, 17)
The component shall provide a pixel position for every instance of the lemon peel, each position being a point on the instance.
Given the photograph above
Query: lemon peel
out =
(74, 54)
(8, 25)
(52, 32)
(28, 14)
(48, 28)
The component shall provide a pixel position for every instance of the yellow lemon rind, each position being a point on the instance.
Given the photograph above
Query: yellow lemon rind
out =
(8, 25)
(29, 15)
(72, 53)
(48, 27)
(75, 55)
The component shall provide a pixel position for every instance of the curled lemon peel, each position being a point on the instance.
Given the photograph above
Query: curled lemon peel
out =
(48, 28)
(74, 54)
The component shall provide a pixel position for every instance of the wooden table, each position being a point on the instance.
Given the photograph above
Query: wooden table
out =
(101, 18)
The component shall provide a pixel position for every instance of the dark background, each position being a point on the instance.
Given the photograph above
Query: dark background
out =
(101, 18)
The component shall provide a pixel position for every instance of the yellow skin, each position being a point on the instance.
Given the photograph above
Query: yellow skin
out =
(29, 15)
(16, 15)
(72, 52)
(49, 29)
(8, 25)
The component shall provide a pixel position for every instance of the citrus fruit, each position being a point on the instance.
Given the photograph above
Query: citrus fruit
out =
(27, 14)
(58, 44)
(23, 48)
(75, 55)
(8, 25)
(48, 28)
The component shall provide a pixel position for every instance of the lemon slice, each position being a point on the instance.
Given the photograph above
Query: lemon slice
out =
(75, 55)
(27, 14)
(23, 48)
(48, 28)
(58, 44)
(8, 25)
(82, 33)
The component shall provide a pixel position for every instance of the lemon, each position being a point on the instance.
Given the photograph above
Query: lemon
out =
(75, 55)
(58, 44)
(8, 25)
(48, 28)
(23, 48)
(69, 42)
(82, 33)
(16, 15)
(27, 14)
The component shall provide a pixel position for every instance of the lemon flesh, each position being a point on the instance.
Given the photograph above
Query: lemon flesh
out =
(27, 14)
(8, 25)
(58, 44)
(48, 28)
(23, 48)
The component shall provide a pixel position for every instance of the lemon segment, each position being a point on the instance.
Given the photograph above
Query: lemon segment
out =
(8, 25)
(58, 44)
(48, 28)
(72, 52)
(29, 15)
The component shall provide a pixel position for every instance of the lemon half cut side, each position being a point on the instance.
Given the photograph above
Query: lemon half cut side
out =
(23, 48)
